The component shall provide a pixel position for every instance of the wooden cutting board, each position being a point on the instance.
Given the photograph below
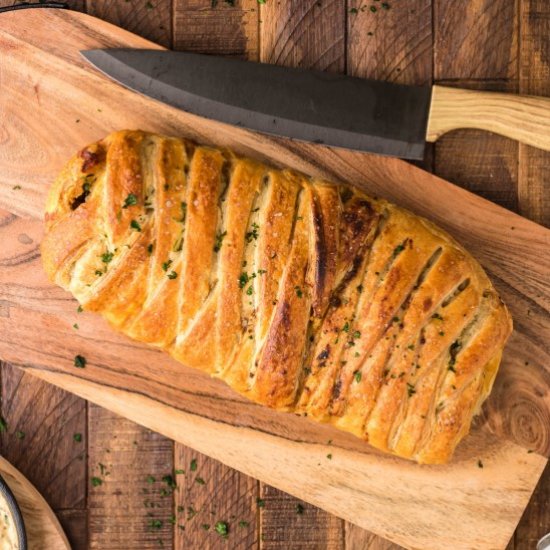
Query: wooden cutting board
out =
(52, 103)
(42, 527)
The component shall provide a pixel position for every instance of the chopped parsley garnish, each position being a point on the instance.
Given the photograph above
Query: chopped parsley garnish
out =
(16, 187)
(410, 346)
(222, 528)
(183, 211)
(249, 290)
(3, 425)
(243, 279)
(397, 250)
(205, 526)
(19, 434)
(150, 249)
(373, 9)
(356, 334)
(98, 272)
(77, 437)
(329, 456)
(200, 481)
(345, 328)
(219, 241)
(79, 361)
(170, 481)
(79, 309)
(166, 265)
(357, 375)
(395, 319)
(260, 502)
(131, 200)
(437, 316)
(252, 235)
(191, 512)
(150, 479)
(441, 333)
(179, 472)
(149, 6)
(75, 326)
(172, 275)
(96, 481)
(455, 348)
(299, 509)
(243, 523)
(299, 292)
(193, 465)
(385, 6)
(135, 225)
(410, 389)
(155, 524)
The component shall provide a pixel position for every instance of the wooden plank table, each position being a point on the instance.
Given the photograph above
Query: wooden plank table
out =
(106, 477)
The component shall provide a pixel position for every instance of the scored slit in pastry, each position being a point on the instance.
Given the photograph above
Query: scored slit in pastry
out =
(302, 295)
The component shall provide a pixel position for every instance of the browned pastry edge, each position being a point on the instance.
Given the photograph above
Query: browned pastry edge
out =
(302, 295)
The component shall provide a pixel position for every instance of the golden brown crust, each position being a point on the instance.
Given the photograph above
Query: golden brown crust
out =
(302, 295)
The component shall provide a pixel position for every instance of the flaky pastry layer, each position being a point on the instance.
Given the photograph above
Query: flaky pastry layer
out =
(302, 295)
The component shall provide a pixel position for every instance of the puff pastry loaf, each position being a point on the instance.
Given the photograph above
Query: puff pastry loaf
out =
(302, 295)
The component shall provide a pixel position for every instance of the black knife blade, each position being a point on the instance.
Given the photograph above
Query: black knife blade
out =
(336, 110)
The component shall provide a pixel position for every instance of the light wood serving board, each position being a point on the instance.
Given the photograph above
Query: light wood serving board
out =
(42, 527)
(52, 103)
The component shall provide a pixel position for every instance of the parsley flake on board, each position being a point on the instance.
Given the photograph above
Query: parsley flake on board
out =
(135, 225)
(222, 528)
(79, 361)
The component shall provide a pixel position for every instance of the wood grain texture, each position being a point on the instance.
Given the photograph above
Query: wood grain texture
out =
(534, 68)
(304, 33)
(209, 492)
(126, 507)
(291, 523)
(41, 305)
(475, 40)
(42, 527)
(42, 434)
(391, 44)
(151, 19)
(356, 537)
(535, 522)
(215, 27)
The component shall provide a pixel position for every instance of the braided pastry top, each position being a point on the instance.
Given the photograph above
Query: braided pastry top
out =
(302, 295)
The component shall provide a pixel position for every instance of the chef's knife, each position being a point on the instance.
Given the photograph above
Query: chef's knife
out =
(342, 111)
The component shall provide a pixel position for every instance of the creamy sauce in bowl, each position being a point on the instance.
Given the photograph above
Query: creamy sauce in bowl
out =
(9, 539)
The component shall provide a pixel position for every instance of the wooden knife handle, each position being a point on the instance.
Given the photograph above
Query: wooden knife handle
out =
(521, 117)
